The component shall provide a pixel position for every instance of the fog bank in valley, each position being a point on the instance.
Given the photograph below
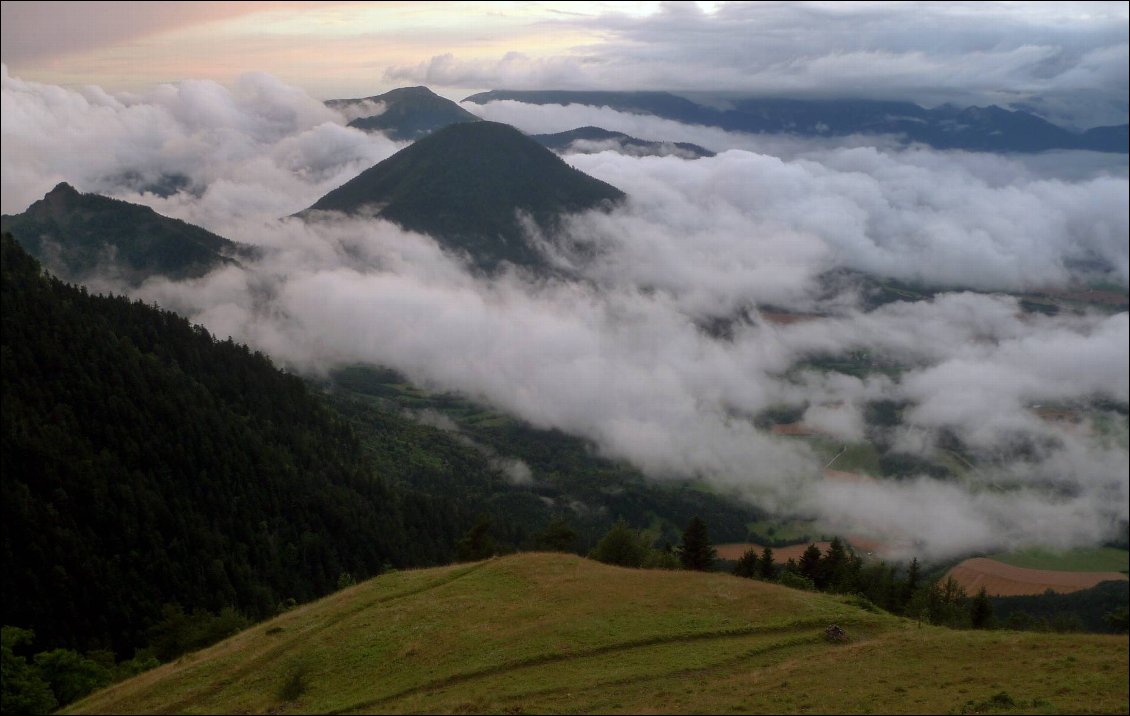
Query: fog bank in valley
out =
(621, 353)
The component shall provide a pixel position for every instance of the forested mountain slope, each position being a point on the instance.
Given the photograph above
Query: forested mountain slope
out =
(147, 463)
(78, 236)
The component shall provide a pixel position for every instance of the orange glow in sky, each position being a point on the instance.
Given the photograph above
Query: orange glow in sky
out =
(330, 49)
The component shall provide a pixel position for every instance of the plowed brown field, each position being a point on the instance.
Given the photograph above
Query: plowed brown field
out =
(735, 550)
(1004, 580)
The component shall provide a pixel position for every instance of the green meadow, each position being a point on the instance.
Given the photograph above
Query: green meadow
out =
(555, 633)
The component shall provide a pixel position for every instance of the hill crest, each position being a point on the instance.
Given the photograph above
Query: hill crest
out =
(542, 632)
(77, 236)
(406, 113)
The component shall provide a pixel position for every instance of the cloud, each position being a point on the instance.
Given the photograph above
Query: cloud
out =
(260, 148)
(626, 357)
(1066, 62)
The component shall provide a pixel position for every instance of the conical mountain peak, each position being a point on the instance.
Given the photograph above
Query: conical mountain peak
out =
(468, 186)
(406, 113)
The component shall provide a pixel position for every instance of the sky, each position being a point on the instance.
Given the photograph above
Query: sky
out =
(228, 98)
(1067, 60)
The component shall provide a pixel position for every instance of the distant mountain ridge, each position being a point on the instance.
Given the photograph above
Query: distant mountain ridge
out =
(407, 113)
(77, 235)
(586, 140)
(467, 185)
(947, 127)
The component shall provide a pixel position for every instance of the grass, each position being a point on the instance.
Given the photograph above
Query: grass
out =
(561, 634)
(787, 531)
(1098, 559)
(862, 457)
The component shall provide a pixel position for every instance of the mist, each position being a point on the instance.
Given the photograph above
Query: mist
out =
(618, 355)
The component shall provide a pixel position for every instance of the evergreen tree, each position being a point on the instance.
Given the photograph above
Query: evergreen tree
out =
(910, 586)
(477, 543)
(981, 610)
(558, 536)
(747, 565)
(622, 546)
(833, 567)
(765, 567)
(810, 564)
(696, 552)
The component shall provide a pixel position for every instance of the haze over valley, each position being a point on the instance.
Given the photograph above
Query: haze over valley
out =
(651, 327)
(554, 288)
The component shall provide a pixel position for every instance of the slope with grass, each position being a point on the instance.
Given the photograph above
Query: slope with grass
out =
(552, 633)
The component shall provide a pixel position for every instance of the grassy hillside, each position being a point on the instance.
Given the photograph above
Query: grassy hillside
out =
(557, 633)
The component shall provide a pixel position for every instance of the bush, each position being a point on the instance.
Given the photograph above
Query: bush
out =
(796, 581)
(23, 689)
(622, 546)
(295, 684)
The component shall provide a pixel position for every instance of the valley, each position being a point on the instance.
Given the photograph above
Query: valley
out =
(674, 358)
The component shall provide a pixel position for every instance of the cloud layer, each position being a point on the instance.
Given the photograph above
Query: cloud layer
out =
(1068, 62)
(625, 357)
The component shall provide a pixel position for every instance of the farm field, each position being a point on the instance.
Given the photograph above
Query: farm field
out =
(1098, 559)
(561, 634)
(1006, 580)
(734, 550)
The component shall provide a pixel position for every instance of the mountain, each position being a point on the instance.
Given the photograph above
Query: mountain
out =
(407, 113)
(661, 104)
(148, 464)
(990, 129)
(79, 235)
(553, 633)
(467, 185)
(1116, 137)
(588, 140)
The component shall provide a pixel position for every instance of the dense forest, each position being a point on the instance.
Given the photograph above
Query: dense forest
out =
(163, 488)
(148, 465)
(153, 471)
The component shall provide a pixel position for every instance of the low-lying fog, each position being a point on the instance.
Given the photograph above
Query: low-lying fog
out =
(620, 356)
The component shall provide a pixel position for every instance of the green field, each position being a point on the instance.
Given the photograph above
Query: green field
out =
(553, 633)
(1098, 559)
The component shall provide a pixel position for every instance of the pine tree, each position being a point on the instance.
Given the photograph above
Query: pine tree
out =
(911, 584)
(696, 552)
(981, 610)
(477, 543)
(810, 563)
(833, 566)
(747, 565)
(622, 546)
(765, 567)
(558, 536)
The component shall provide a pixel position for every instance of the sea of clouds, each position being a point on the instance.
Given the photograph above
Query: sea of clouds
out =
(618, 353)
